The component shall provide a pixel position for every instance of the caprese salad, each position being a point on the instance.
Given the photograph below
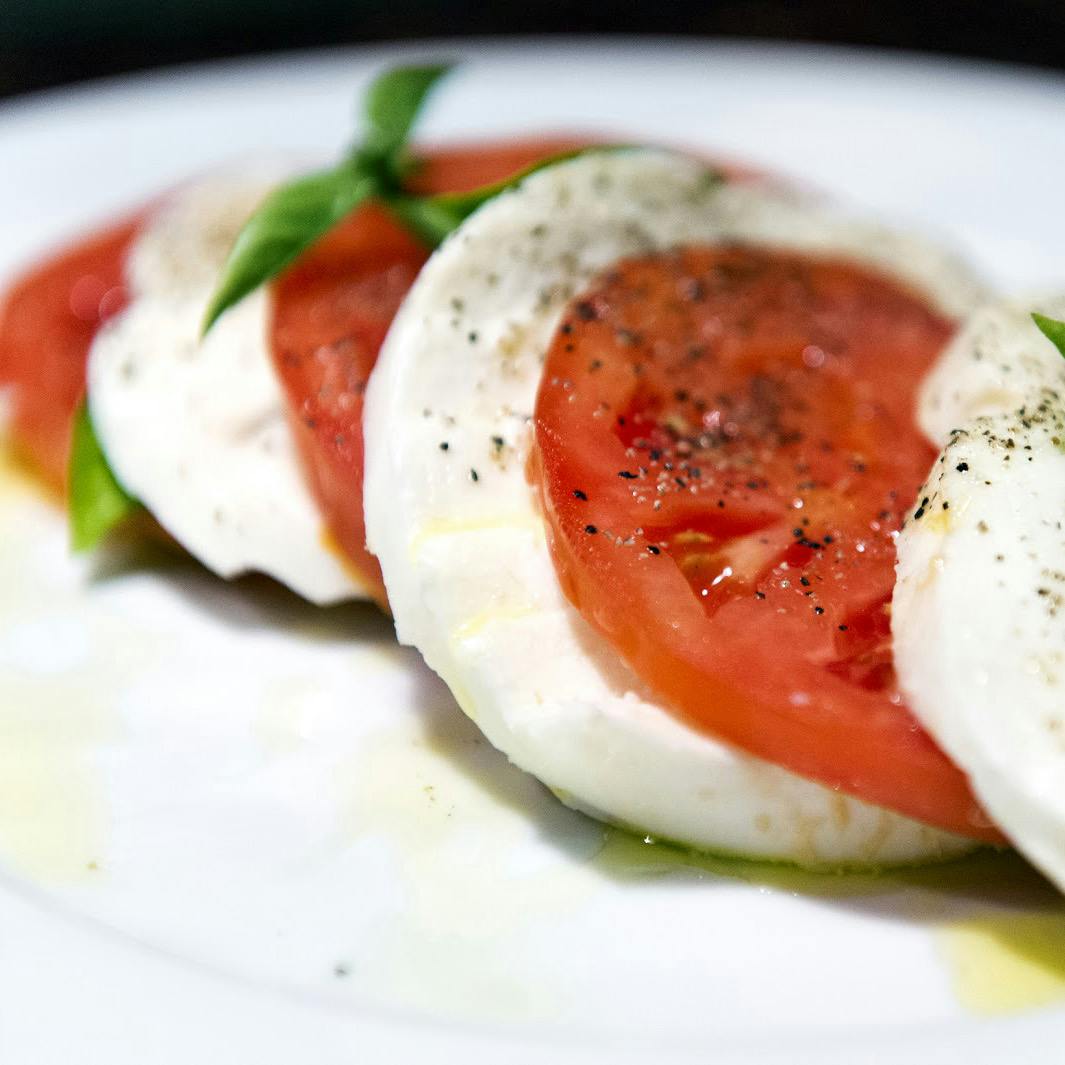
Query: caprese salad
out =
(692, 487)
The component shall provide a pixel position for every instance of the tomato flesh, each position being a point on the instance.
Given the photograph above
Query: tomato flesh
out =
(331, 313)
(726, 448)
(47, 323)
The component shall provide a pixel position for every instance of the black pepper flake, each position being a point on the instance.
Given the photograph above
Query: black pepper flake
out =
(918, 514)
(472, 337)
(654, 550)
(444, 445)
(591, 530)
(585, 311)
(628, 475)
(804, 581)
(474, 476)
(567, 328)
(695, 290)
(819, 610)
(578, 494)
(498, 442)
(962, 467)
(842, 628)
(759, 595)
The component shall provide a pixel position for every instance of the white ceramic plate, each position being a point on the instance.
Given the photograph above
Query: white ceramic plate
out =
(233, 828)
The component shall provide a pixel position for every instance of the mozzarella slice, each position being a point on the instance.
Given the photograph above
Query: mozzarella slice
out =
(462, 544)
(197, 430)
(979, 606)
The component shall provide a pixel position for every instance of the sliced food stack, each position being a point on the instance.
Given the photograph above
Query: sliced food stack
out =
(631, 447)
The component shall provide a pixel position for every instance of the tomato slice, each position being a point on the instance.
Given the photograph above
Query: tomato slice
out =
(726, 448)
(331, 313)
(47, 322)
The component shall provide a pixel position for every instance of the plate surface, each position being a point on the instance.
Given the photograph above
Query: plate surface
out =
(236, 828)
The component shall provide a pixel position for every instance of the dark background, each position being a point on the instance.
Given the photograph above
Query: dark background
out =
(50, 42)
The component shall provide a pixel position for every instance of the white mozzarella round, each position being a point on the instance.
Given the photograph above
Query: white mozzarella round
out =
(979, 607)
(462, 544)
(197, 430)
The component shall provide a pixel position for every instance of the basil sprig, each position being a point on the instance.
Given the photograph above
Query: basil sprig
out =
(1052, 329)
(286, 224)
(298, 213)
(98, 503)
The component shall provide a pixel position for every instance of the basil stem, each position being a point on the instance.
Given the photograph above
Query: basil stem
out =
(432, 218)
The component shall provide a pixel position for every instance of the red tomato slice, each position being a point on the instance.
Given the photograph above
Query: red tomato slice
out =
(331, 313)
(726, 448)
(47, 323)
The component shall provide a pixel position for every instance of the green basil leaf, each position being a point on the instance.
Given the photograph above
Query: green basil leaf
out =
(432, 218)
(392, 105)
(98, 503)
(1052, 329)
(288, 222)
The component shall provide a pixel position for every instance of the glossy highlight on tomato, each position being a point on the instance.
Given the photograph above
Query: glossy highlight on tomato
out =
(726, 448)
(331, 312)
(47, 322)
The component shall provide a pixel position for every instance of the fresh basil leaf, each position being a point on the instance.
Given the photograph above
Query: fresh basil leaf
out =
(432, 218)
(288, 222)
(1052, 329)
(98, 503)
(392, 105)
